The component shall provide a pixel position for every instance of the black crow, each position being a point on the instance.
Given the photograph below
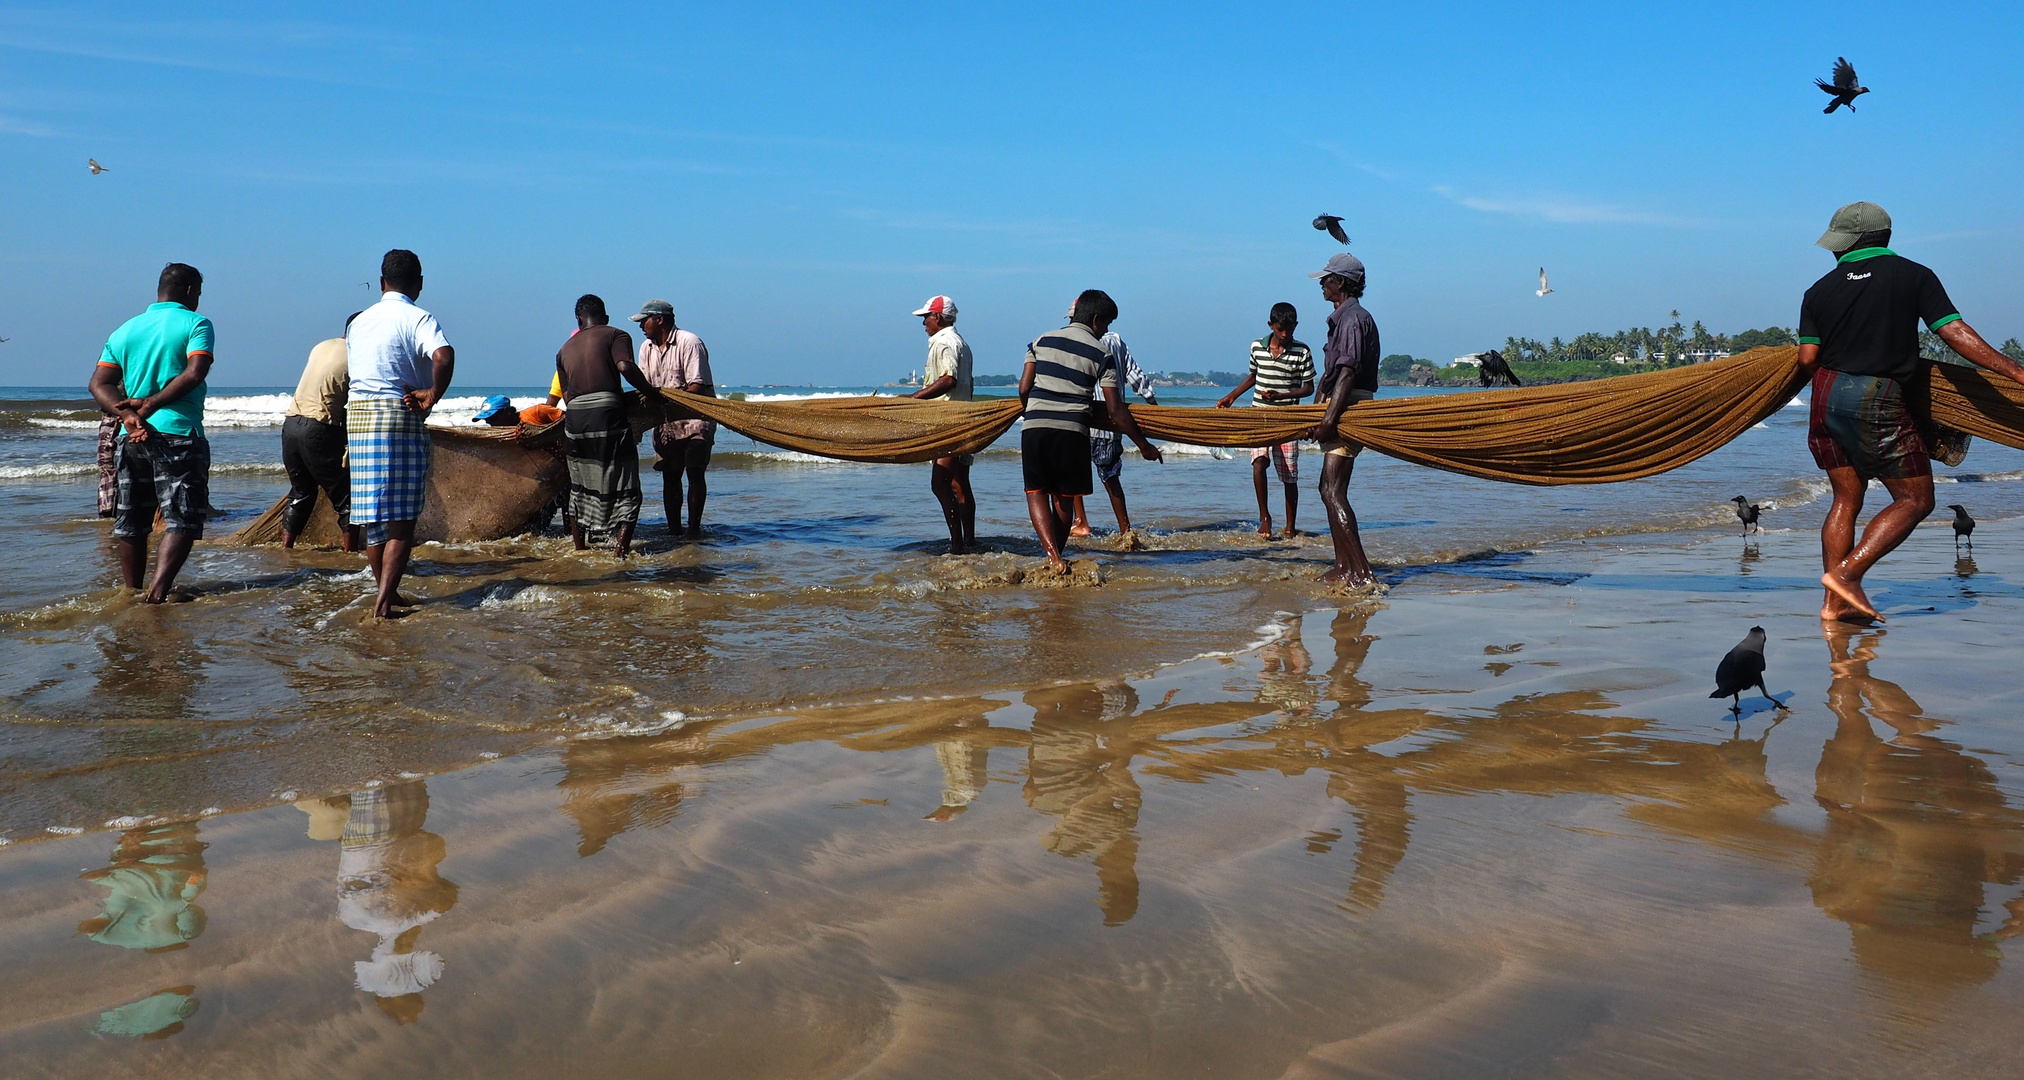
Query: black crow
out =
(1964, 526)
(1843, 87)
(94, 166)
(1490, 368)
(1742, 669)
(1332, 225)
(1746, 512)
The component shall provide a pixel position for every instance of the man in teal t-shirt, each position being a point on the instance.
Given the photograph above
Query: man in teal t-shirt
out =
(151, 377)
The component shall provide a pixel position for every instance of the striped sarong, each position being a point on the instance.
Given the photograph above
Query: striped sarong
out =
(604, 462)
(389, 464)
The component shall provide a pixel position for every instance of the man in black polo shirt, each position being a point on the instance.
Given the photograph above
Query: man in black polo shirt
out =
(1858, 335)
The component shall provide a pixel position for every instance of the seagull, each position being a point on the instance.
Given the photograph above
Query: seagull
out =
(1742, 669)
(1332, 225)
(94, 166)
(1843, 87)
(1543, 287)
(1964, 526)
(1746, 512)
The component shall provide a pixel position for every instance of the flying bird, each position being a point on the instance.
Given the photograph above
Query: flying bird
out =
(1491, 369)
(1746, 512)
(1543, 287)
(1843, 87)
(1964, 526)
(94, 166)
(1332, 225)
(1742, 669)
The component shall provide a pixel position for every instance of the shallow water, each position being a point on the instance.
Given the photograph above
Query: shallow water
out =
(835, 804)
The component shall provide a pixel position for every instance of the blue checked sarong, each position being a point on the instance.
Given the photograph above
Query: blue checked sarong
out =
(389, 464)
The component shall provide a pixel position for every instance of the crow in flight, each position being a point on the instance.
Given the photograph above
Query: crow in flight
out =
(1491, 368)
(1843, 87)
(1332, 225)
(94, 166)
(1742, 669)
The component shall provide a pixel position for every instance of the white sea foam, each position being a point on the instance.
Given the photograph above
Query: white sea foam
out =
(810, 395)
(796, 457)
(51, 471)
(65, 830)
(127, 822)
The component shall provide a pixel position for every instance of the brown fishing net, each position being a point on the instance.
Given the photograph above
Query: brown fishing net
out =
(484, 483)
(487, 481)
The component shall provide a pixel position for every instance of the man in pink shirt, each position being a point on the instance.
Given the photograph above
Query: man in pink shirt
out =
(675, 359)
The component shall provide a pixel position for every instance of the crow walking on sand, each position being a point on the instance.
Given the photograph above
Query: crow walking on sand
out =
(1332, 225)
(1964, 526)
(1742, 669)
(1746, 512)
(1843, 87)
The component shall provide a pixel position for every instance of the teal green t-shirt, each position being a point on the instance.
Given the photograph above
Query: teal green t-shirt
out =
(150, 350)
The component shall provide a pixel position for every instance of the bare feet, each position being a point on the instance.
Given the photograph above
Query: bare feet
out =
(1850, 593)
(1290, 533)
(404, 600)
(1055, 564)
(1836, 610)
(1078, 530)
(956, 548)
(1265, 528)
(695, 532)
(1333, 576)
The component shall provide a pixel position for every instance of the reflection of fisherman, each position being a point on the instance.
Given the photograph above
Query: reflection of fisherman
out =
(155, 878)
(1915, 828)
(1283, 675)
(388, 885)
(1079, 769)
(964, 768)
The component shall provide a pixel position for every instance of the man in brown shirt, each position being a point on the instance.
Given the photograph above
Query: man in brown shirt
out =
(604, 461)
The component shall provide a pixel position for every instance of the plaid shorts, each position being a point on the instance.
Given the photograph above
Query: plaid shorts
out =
(389, 464)
(170, 473)
(1285, 457)
(1107, 454)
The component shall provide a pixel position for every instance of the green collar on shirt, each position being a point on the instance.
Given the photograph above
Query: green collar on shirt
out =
(1860, 254)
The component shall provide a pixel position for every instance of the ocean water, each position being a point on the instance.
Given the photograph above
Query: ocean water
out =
(810, 798)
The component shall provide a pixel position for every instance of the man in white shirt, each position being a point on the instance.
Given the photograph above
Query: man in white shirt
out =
(947, 378)
(400, 366)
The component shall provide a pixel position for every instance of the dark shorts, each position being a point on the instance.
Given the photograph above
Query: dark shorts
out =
(170, 473)
(1055, 461)
(1862, 422)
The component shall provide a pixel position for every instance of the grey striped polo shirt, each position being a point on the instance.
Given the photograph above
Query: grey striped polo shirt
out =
(1069, 365)
(1283, 374)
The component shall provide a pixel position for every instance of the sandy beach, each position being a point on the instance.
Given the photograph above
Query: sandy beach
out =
(1491, 824)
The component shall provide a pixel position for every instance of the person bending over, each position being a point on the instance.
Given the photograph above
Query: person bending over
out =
(1063, 371)
(1858, 337)
(313, 443)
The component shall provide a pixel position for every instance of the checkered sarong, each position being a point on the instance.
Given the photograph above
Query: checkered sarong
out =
(389, 464)
(108, 465)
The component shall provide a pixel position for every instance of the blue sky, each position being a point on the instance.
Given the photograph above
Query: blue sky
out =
(796, 178)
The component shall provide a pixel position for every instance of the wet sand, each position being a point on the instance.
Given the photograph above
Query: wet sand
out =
(1491, 825)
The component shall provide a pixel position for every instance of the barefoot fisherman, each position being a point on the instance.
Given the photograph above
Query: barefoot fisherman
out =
(1349, 376)
(948, 379)
(1858, 336)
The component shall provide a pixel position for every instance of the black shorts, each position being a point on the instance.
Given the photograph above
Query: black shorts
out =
(170, 473)
(1055, 461)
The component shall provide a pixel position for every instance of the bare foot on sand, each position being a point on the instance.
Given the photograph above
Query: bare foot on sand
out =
(1836, 610)
(1078, 530)
(1265, 528)
(1851, 594)
(402, 599)
(1333, 576)
(694, 533)
(1290, 533)
(1057, 566)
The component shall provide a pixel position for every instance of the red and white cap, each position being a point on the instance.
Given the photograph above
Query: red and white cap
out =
(938, 305)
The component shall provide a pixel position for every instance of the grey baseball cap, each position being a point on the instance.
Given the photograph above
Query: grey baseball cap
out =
(1343, 265)
(654, 307)
(1850, 222)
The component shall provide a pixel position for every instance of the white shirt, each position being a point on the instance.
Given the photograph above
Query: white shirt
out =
(389, 347)
(949, 354)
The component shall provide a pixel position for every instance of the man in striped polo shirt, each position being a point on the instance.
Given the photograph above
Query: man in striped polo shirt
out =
(1063, 371)
(1282, 372)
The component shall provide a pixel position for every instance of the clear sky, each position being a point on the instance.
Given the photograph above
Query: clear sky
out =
(796, 178)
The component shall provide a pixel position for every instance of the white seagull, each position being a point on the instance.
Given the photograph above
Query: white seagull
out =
(1543, 287)
(94, 166)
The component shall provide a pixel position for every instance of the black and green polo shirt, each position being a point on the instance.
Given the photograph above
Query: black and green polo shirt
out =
(1864, 314)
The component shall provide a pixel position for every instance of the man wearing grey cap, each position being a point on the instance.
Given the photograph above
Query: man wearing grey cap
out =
(1858, 336)
(675, 359)
(1348, 375)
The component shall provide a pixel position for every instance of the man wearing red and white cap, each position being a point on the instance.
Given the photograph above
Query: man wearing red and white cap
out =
(947, 378)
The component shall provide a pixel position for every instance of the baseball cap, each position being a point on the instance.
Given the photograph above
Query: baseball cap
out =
(1850, 222)
(491, 407)
(1343, 265)
(654, 307)
(938, 305)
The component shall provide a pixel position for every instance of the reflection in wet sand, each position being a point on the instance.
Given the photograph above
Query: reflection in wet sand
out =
(1915, 830)
(156, 875)
(157, 1016)
(388, 886)
(1079, 770)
